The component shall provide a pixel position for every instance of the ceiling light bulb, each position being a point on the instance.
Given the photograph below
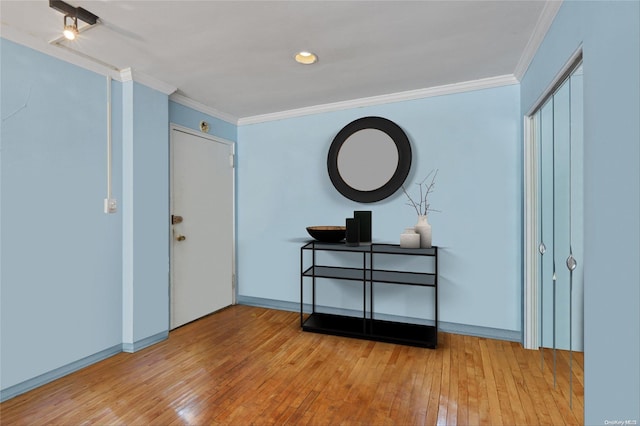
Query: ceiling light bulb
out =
(70, 32)
(306, 58)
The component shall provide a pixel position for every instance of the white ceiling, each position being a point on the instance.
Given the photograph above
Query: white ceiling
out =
(236, 57)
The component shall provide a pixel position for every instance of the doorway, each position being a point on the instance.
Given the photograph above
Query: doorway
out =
(202, 225)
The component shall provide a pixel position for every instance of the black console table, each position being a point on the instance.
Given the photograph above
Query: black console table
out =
(366, 326)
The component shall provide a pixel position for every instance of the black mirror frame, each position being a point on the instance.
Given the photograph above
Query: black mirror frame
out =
(402, 170)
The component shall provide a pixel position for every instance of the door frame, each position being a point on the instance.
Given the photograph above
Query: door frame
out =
(232, 145)
(531, 267)
(531, 304)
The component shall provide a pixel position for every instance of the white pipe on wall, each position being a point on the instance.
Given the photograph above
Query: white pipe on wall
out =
(109, 190)
(110, 205)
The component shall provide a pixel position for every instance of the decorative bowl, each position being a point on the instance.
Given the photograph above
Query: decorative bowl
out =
(327, 234)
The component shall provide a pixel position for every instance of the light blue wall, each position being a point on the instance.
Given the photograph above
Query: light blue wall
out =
(149, 212)
(472, 138)
(609, 33)
(60, 284)
(190, 118)
(64, 300)
(62, 257)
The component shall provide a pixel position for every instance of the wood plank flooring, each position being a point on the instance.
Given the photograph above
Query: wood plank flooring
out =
(246, 365)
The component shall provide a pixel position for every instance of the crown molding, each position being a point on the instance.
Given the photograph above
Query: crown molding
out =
(545, 20)
(82, 60)
(448, 89)
(126, 75)
(195, 105)
(59, 51)
(92, 64)
(154, 83)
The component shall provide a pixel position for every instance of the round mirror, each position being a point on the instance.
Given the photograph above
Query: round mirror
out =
(369, 159)
(382, 156)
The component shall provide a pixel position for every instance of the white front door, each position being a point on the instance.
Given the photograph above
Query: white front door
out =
(202, 226)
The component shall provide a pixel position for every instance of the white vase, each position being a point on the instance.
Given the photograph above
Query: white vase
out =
(409, 239)
(424, 229)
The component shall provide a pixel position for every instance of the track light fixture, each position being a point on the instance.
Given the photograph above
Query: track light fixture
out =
(71, 16)
(70, 30)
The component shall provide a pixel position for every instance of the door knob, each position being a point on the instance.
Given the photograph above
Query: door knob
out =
(571, 263)
(175, 219)
(181, 238)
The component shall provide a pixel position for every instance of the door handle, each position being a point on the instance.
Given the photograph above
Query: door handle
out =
(571, 262)
(181, 238)
(542, 248)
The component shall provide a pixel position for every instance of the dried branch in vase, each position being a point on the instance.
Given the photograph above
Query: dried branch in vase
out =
(423, 207)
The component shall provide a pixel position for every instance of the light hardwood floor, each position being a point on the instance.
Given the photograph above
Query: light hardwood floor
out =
(246, 365)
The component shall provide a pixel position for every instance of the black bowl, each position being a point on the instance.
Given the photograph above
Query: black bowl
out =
(327, 234)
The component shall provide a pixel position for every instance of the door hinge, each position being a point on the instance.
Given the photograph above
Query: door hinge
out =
(231, 161)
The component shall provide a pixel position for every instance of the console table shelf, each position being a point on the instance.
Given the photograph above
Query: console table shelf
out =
(367, 326)
(381, 276)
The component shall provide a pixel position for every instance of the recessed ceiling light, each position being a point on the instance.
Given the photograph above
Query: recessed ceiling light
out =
(306, 58)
